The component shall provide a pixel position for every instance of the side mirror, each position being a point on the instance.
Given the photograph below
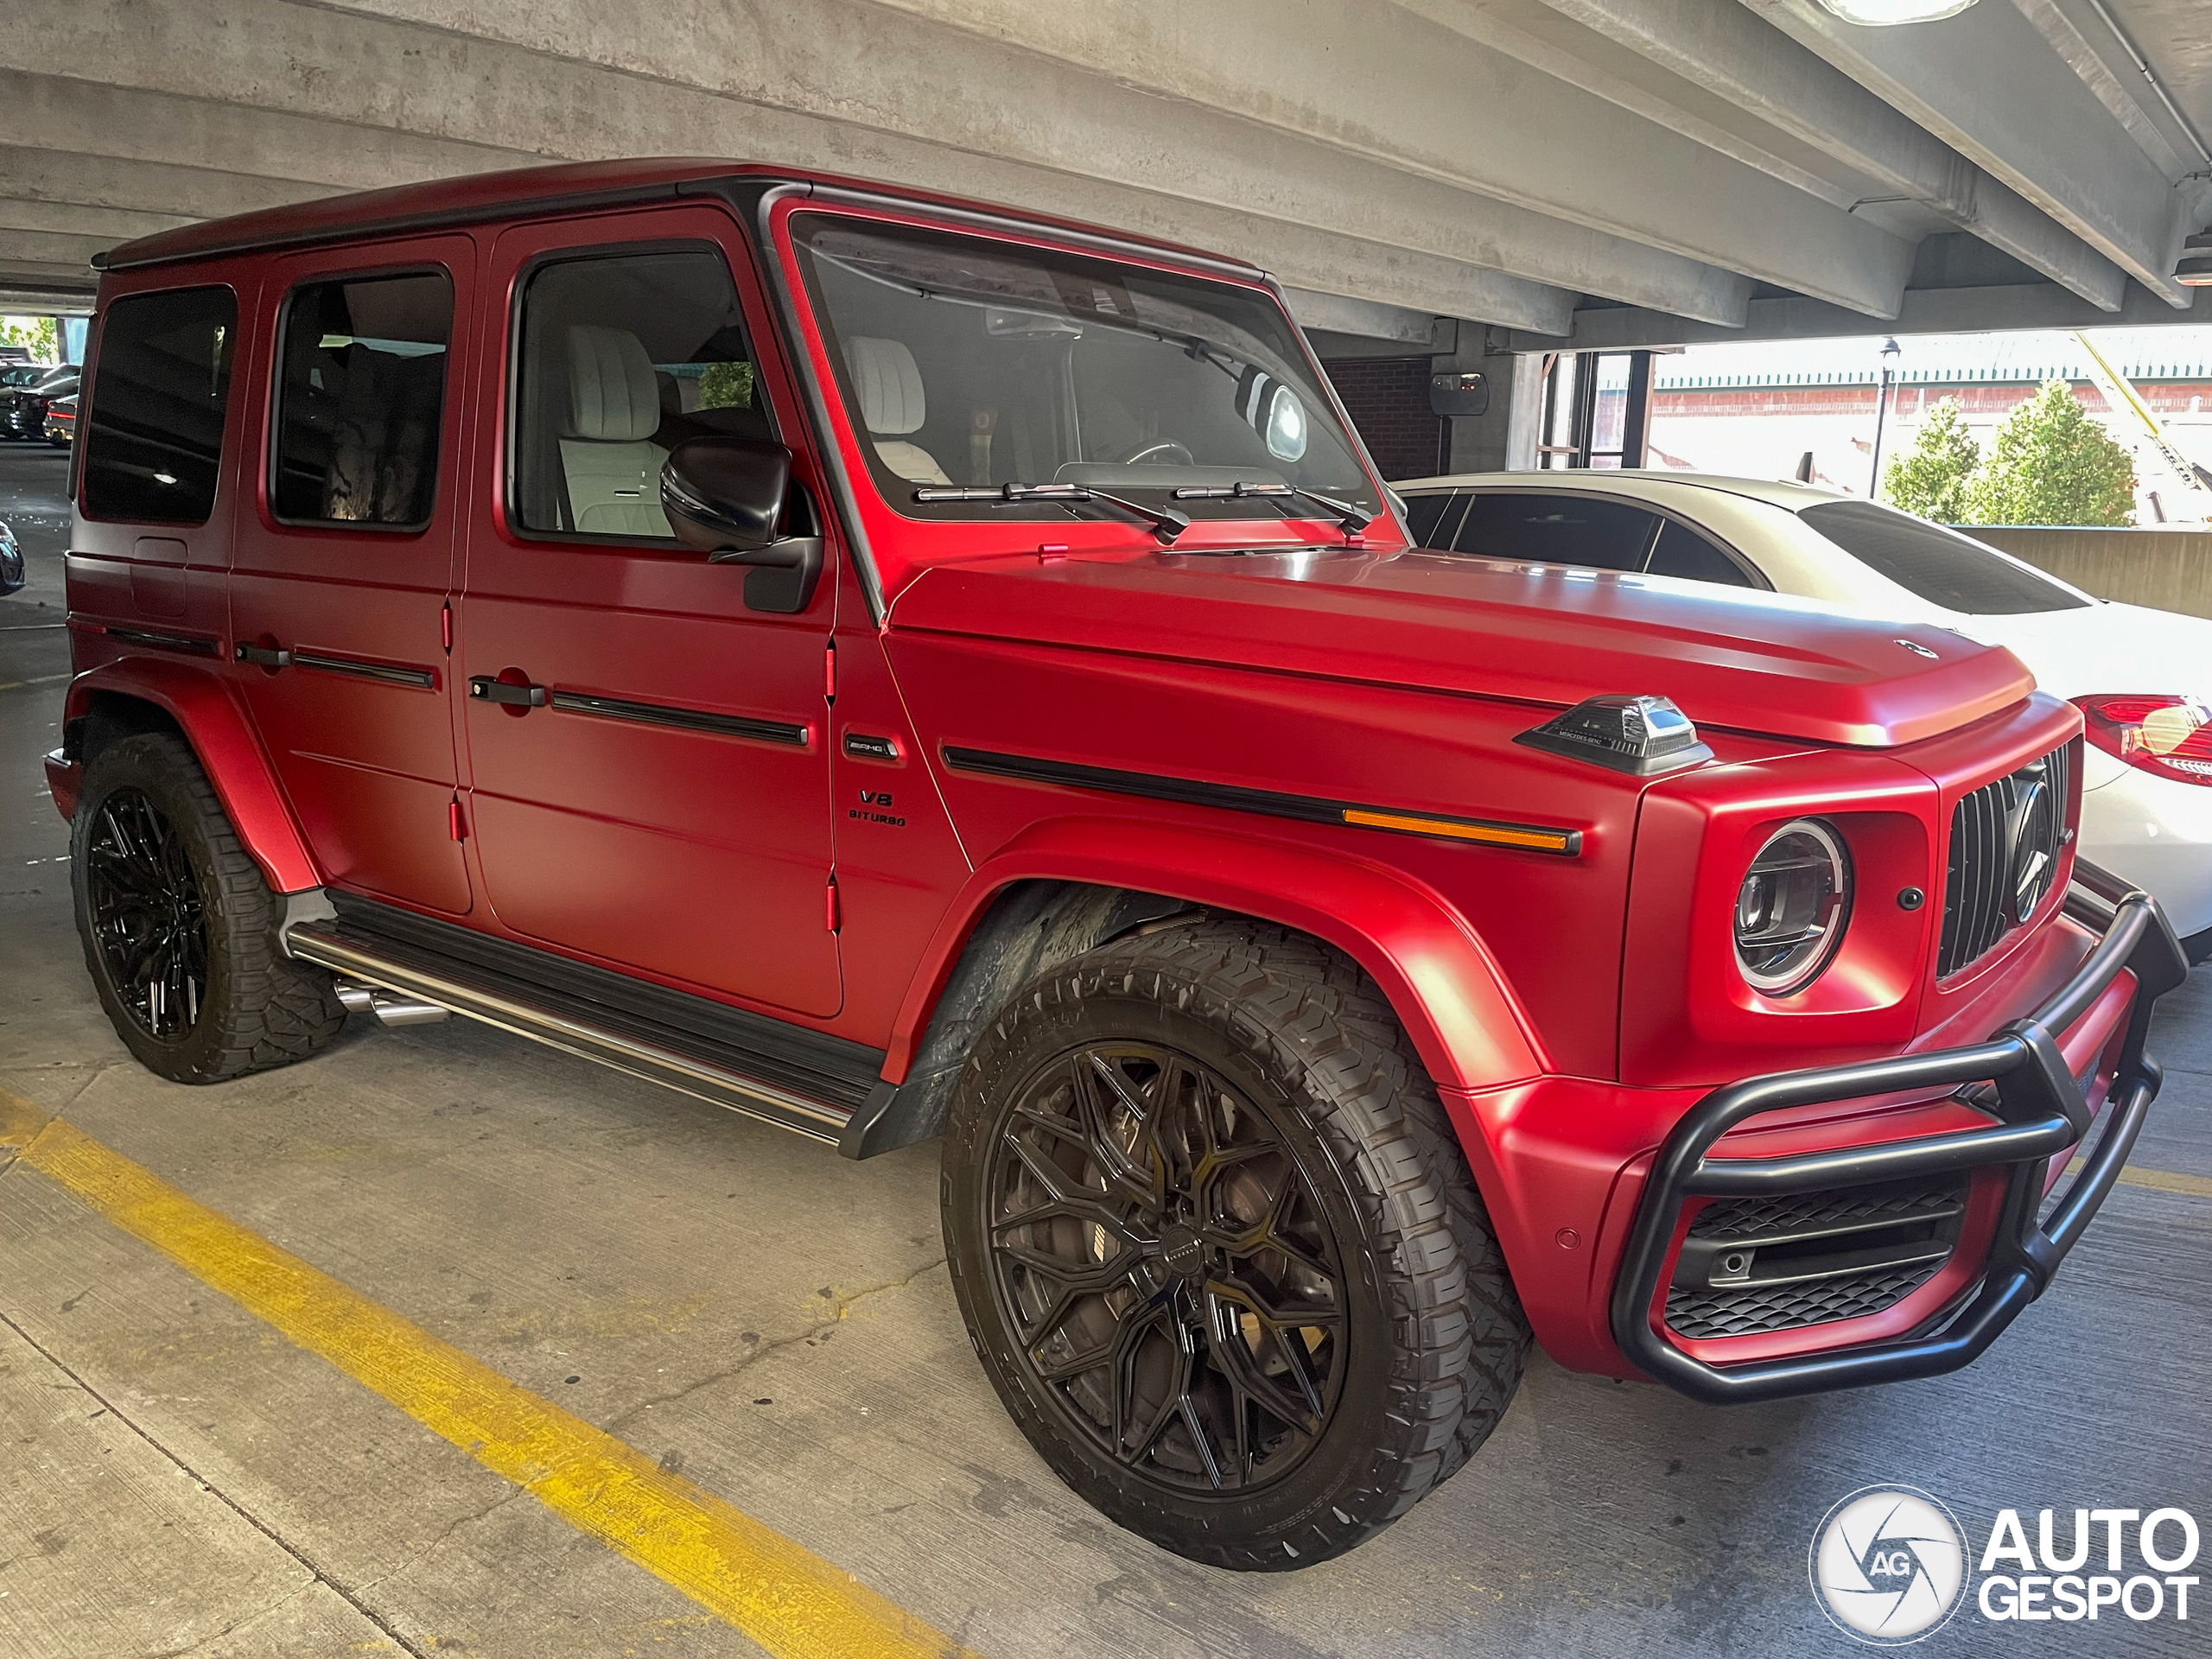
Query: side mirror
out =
(727, 497)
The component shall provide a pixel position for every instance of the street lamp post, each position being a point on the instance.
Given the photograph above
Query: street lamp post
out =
(1881, 413)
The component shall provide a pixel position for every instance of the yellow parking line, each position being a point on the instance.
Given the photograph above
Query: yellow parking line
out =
(2159, 1180)
(790, 1600)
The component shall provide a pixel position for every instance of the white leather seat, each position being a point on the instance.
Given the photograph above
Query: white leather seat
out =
(889, 387)
(611, 470)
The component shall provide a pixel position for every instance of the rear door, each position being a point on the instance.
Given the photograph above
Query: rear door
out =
(343, 566)
(649, 779)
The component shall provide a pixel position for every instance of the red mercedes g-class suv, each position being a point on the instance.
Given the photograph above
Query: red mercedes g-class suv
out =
(893, 666)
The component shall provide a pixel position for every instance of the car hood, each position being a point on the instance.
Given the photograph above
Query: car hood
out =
(1751, 662)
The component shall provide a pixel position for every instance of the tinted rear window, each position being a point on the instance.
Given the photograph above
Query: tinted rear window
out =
(1938, 565)
(154, 436)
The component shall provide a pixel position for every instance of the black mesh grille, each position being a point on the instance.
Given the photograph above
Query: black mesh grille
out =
(1757, 1308)
(1979, 877)
(1758, 1264)
(1803, 1213)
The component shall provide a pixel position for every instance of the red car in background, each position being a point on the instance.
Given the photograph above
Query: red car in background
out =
(897, 667)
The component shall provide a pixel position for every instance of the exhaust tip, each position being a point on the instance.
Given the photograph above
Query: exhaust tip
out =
(390, 1008)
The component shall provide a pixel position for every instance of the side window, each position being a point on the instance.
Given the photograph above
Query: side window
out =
(1683, 552)
(1558, 530)
(624, 357)
(360, 401)
(153, 437)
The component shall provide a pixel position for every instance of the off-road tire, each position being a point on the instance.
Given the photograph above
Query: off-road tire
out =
(261, 1008)
(1437, 1339)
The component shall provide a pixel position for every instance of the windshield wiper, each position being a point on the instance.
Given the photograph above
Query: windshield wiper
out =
(1165, 522)
(1351, 517)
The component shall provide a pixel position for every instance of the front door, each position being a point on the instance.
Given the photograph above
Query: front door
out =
(648, 777)
(342, 562)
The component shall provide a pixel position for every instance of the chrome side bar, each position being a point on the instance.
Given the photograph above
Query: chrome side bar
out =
(425, 978)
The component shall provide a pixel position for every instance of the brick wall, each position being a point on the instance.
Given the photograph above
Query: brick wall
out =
(1387, 399)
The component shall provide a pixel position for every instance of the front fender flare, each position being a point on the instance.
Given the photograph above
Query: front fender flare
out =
(1453, 1002)
(229, 753)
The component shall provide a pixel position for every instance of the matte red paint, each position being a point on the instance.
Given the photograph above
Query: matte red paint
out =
(212, 723)
(1570, 1009)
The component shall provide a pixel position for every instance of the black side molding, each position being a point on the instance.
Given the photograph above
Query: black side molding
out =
(1234, 798)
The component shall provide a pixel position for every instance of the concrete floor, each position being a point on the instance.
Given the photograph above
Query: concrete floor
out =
(176, 1479)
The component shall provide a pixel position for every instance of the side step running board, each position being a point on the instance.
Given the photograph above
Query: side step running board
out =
(576, 1025)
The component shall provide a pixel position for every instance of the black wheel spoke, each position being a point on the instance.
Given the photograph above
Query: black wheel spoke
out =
(1170, 1276)
(147, 914)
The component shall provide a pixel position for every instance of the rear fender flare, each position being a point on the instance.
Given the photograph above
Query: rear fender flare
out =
(1441, 983)
(230, 754)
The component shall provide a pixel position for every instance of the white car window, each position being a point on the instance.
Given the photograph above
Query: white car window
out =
(1936, 564)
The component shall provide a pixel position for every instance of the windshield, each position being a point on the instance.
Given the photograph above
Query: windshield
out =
(1937, 564)
(975, 363)
(24, 374)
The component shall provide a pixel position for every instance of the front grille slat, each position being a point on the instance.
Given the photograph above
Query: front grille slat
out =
(1979, 865)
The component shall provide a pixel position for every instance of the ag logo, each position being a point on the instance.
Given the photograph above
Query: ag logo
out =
(1889, 1565)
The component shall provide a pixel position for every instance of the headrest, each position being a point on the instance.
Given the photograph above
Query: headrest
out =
(889, 384)
(613, 397)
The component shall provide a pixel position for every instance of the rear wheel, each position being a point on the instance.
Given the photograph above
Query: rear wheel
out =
(1203, 1207)
(180, 930)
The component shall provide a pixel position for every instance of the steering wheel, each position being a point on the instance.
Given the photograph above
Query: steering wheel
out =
(1167, 449)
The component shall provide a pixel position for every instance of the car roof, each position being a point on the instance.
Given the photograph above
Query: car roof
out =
(1640, 484)
(576, 186)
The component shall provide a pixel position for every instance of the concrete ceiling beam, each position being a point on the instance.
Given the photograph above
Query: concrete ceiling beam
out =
(1424, 97)
(1338, 222)
(1926, 311)
(78, 179)
(1757, 68)
(1988, 84)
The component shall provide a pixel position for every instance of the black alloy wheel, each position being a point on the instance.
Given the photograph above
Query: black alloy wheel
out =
(1175, 1284)
(1217, 1247)
(183, 935)
(146, 914)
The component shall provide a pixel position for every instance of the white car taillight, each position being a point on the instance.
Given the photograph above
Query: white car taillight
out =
(2164, 734)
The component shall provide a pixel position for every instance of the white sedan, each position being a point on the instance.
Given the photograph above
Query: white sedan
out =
(2142, 678)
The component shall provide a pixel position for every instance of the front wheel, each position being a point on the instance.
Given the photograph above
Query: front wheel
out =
(1207, 1223)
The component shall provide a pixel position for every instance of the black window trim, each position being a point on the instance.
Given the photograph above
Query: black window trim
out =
(510, 397)
(447, 403)
(95, 342)
(1757, 578)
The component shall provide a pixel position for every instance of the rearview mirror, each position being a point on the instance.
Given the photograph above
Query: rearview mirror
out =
(727, 497)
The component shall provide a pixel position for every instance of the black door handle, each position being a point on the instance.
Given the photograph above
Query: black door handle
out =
(265, 656)
(491, 690)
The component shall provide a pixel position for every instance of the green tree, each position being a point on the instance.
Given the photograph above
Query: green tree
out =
(2050, 464)
(1931, 478)
(39, 334)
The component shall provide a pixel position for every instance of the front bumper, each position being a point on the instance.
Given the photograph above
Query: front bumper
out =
(2041, 1110)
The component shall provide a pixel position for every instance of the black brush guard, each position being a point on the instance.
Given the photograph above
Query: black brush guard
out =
(2041, 1111)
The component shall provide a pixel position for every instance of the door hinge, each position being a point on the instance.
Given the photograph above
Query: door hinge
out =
(830, 672)
(833, 917)
(454, 823)
(445, 626)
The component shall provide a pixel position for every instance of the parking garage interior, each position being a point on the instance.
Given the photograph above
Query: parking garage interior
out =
(239, 1324)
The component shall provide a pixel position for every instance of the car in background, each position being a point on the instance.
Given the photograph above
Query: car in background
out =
(61, 422)
(11, 563)
(2142, 678)
(15, 354)
(23, 408)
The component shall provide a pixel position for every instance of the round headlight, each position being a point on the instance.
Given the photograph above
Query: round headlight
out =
(1792, 908)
